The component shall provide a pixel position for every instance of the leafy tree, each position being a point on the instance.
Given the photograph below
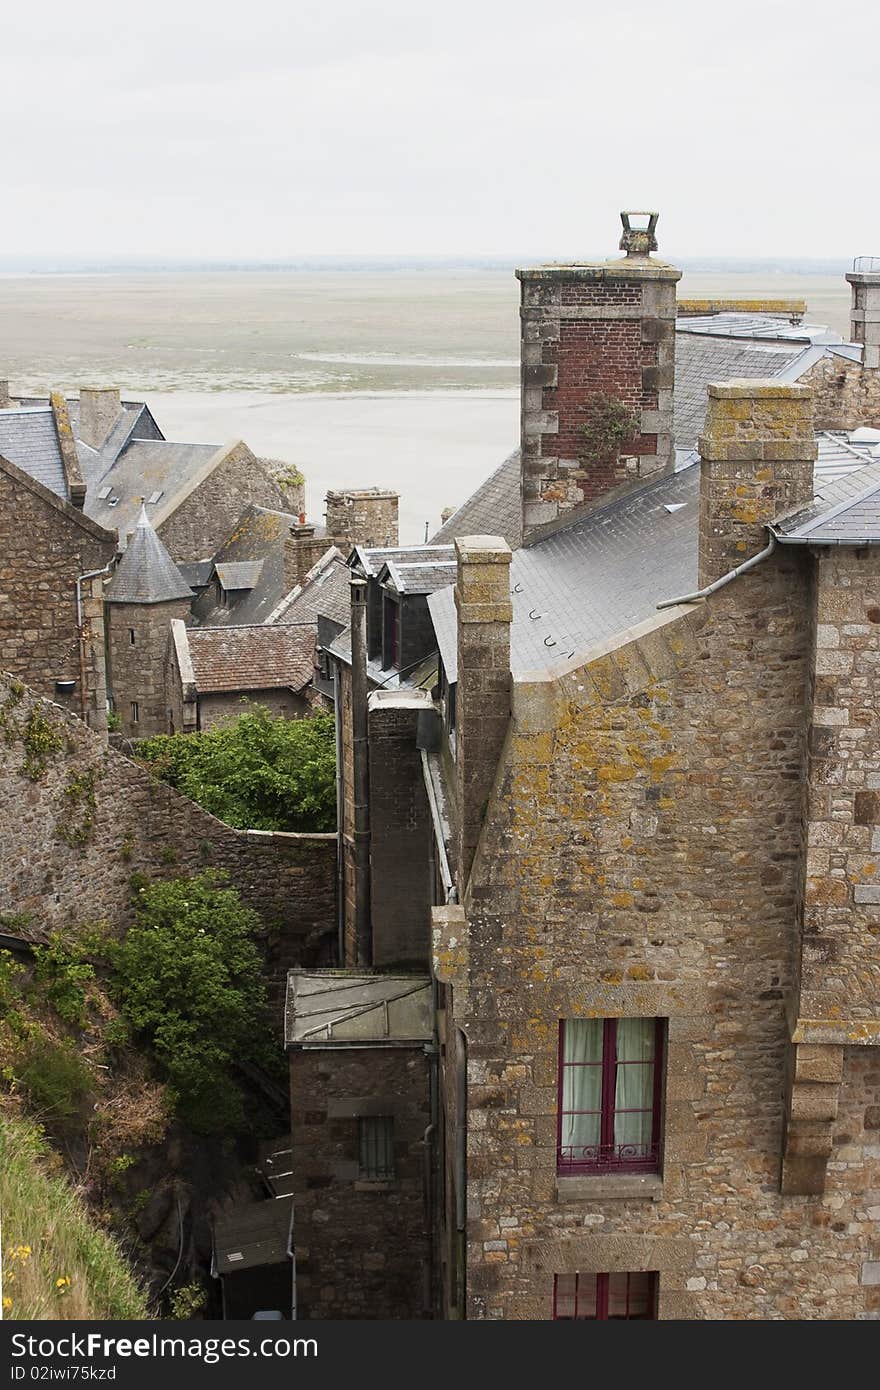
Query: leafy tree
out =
(188, 977)
(257, 773)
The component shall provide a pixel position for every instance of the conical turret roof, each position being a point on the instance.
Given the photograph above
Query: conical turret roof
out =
(146, 573)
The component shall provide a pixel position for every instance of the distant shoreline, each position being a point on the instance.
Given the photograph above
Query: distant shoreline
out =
(11, 268)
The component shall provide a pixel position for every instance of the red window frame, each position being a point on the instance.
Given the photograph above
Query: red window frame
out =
(593, 1302)
(606, 1156)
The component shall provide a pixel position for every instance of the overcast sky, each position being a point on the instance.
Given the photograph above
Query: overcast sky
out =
(275, 129)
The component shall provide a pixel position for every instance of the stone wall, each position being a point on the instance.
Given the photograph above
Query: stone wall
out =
(76, 832)
(205, 518)
(224, 707)
(845, 394)
(362, 1247)
(137, 643)
(364, 516)
(44, 546)
(642, 856)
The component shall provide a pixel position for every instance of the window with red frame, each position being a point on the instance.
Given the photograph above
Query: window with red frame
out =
(602, 1297)
(610, 1095)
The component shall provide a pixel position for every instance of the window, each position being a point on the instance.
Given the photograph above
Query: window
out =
(131, 636)
(610, 1091)
(134, 712)
(602, 1297)
(376, 1136)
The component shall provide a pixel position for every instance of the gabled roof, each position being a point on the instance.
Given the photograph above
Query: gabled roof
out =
(324, 593)
(256, 657)
(148, 472)
(253, 553)
(422, 576)
(146, 572)
(253, 1235)
(350, 1008)
(29, 439)
(240, 574)
(369, 560)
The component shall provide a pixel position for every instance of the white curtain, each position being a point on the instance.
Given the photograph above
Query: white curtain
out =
(582, 1085)
(634, 1086)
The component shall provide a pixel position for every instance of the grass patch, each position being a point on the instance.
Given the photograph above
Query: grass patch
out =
(56, 1262)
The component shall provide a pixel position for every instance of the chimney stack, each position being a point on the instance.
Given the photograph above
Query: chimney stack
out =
(598, 367)
(485, 611)
(302, 550)
(865, 311)
(757, 463)
(362, 516)
(5, 401)
(99, 408)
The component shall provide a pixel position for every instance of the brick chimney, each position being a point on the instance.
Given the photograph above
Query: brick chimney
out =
(362, 516)
(865, 311)
(482, 598)
(757, 463)
(596, 335)
(302, 550)
(99, 408)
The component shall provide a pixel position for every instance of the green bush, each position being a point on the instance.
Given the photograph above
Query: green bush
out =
(63, 972)
(188, 978)
(257, 773)
(54, 1077)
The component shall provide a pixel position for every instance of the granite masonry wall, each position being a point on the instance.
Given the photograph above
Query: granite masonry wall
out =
(362, 1247)
(845, 394)
(44, 546)
(85, 819)
(204, 519)
(137, 642)
(224, 707)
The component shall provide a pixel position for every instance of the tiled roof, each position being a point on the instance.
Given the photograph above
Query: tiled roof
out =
(420, 576)
(593, 579)
(326, 593)
(494, 509)
(257, 657)
(257, 537)
(843, 512)
(28, 438)
(146, 572)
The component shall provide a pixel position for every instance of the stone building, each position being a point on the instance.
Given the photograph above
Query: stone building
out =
(361, 1049)
(212, 674)
(146, 593)
(52, 557)
(650, 757)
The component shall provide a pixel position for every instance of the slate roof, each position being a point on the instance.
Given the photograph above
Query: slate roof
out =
(196, 572)
(495, 509)
(241, 574)
(326, 593)
(590, 581)
(144, 468)
(420, 576)
(843, 512)
(258, 536)
(842, 452)
(28, 438)
(256, 1234)
(327, 1007)
(369, 560)
(146, 572)
(700, 359)
(256, 657)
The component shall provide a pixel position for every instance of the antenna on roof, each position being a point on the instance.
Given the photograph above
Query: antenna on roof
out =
(426, 533)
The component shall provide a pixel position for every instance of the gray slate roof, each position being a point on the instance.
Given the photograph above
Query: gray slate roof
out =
(28, 438)
(495, 509)
(700, 359)
(146, 572)
(326, 593)
(253, 1235)
(349, 1007)
(421, 576)
(843, 512)
(241, 574)
(590, 581)
(145, 467)
(257, 538)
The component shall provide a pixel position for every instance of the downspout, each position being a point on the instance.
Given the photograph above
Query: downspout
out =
(460, 1174)
(340, 817)
(90, 574)
(446, 878)
(725, 578)
(429, 1142)
(361, 762)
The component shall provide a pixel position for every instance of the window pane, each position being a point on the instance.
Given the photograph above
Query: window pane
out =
(634, 1088)
(631, 1295)
(581, 1090)
(376, 1134)
(565, 1295)
(575, 1296)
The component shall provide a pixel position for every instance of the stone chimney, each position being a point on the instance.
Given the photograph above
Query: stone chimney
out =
(5, 401)
(482, 598)
(302, 550)
(99, 408)
(598, 367)
(362, 516)
(757, 463)
(865, 311)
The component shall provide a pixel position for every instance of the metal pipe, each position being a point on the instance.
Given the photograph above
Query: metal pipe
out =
(90, 574)
(361, 763)
(460, 1173)
(445, 871)
(724, 580)
(340, 817)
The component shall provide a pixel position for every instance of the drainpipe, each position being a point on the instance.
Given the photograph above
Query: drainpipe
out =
(361, 760)
(340, 819)
(429, 1141)
(725, 578)
(460, 1174)
(90, 574)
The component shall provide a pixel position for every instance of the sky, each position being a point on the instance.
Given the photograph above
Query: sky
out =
(280, 129)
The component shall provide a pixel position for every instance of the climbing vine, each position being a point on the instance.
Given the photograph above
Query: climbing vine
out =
(608, 424)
